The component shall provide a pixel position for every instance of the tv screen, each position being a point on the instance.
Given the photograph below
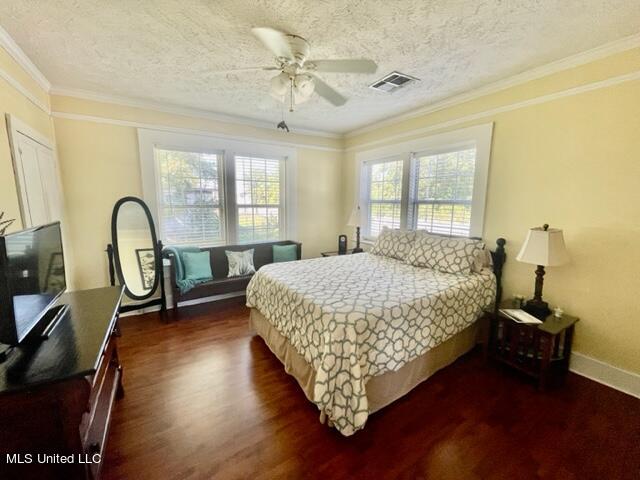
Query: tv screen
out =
(32, 267)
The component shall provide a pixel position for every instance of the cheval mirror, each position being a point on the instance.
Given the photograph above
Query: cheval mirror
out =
(135, 255)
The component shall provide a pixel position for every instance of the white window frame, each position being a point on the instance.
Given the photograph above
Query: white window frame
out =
(365, 197)
(149, 140)
(231, 179)
(221, 191)
(478, 137)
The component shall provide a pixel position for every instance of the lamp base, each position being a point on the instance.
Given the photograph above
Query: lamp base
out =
(357, 250)
(537, 308)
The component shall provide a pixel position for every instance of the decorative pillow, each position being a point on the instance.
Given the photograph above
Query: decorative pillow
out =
(240, 263)
(197, 265)
(285, 253)
(483, 260)
(448, 255)
(394, 243)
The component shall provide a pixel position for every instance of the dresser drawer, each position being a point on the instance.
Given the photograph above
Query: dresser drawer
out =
(105, 358)
(98, 428)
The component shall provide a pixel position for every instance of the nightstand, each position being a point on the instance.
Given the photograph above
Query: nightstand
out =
(335, 253)
(539, 350)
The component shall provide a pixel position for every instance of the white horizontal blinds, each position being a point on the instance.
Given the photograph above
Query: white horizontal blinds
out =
(190, 197)
(259, 198)
(384, 195)
(443, 192)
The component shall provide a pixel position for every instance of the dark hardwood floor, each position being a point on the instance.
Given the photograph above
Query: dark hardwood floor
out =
(206, 399)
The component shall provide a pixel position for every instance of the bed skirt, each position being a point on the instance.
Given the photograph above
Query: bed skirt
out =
(382, 389)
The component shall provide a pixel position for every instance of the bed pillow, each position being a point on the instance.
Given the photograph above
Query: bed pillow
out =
(483, 260)
(285, 253)
(240, 263)
(394, 243)
(448, 255)
(197, 265)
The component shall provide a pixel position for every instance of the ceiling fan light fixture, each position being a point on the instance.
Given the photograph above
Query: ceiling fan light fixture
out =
(304, 86)
(298, 80)
(280, 85)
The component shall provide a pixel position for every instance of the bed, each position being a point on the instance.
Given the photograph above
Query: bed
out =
(360, 331)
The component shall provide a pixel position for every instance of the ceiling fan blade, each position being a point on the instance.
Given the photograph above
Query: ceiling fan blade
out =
(328, 93)
(274, 40)
(246, 69)
(345, 66)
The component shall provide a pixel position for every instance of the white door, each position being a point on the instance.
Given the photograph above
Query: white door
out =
(49, 177)
(37, 176)
(33, 198)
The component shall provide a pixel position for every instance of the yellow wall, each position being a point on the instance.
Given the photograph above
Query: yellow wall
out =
(572, 162)
(100, 163)
(15, 103)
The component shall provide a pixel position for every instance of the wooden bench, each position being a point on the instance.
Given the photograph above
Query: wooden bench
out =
(221, 284)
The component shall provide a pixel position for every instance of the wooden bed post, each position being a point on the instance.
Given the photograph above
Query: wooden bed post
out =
(499, 257)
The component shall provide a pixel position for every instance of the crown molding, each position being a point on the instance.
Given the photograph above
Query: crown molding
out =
(178, 110)
(24, 92)
(23, 60)
(628, 77)
(207, 133)
(611, 48)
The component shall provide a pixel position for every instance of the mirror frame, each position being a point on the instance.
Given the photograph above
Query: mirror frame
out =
(116, 253)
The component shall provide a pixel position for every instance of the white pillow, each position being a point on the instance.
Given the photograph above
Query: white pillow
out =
(445, 254)
(483, 260)
(240, 263)
(394, 243)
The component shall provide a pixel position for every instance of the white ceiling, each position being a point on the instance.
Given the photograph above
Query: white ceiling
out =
(168, 50)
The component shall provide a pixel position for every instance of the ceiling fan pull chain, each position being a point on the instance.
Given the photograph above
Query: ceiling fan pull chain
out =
(291, 96)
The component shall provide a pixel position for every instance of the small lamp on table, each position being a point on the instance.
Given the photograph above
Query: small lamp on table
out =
(543, 247)
(354, 221)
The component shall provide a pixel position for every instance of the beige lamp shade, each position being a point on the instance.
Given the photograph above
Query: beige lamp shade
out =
(544, 247)
(355, 219)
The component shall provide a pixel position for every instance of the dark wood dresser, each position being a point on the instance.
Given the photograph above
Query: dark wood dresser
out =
(56, 401)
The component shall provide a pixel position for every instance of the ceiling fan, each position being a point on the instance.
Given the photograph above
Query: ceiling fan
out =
(297, 77)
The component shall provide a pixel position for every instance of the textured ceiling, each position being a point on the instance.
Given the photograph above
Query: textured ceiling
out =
(168, 50)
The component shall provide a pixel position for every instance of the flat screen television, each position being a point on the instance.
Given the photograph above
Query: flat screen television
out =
(32, 277)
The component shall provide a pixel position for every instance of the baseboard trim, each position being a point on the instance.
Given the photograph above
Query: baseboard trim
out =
(186, 303)
(601, 372)
(212, 298)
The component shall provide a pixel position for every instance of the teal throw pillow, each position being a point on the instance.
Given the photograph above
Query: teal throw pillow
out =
(197, 265)
(285, 253)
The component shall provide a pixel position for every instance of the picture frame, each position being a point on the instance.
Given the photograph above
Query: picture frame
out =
(146, 264)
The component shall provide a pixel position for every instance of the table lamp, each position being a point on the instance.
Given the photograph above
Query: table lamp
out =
(354, 221)
(543, 247)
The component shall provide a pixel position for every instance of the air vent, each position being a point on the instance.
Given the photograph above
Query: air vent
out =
(393, 82)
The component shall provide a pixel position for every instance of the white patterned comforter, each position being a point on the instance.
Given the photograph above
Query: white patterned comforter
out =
(353, 317)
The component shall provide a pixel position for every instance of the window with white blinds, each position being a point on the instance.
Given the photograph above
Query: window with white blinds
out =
(259, 198)
(384, 195)
(190, 197)
(443, 192)
(437, 183)
(207, 197)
